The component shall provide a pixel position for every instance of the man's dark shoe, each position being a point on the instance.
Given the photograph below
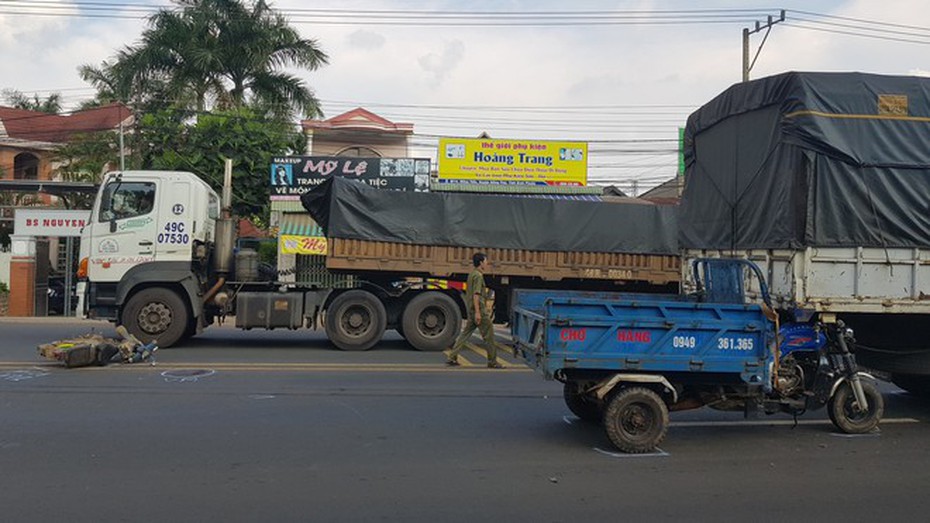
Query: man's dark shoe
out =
(453, 363)
(495, 365)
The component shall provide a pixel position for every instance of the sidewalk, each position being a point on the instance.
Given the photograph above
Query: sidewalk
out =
(501, 332)
(51, 320)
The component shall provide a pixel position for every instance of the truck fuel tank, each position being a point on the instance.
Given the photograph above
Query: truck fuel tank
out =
(269, 310)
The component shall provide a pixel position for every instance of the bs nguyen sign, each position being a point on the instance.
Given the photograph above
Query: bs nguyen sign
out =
(49, 222)
(518, 162)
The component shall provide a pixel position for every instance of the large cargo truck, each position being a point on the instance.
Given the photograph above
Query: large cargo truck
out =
(823, 180)
(158, 257)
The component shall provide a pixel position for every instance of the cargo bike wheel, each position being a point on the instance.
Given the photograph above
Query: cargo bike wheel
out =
(580, 404)
(636, 419)
(844, 411)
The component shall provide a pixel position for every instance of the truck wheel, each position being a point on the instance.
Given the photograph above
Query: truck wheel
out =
(355, 320)
(190, 331)
(431, 321)
(636, 420)
(156, 314)
(581, 405)
(843, 413)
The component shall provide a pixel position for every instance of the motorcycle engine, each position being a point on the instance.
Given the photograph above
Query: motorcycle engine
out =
(790, 376)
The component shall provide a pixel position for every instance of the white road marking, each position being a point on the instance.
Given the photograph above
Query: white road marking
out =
(261, 396)
(873, 434)
(659, 453)
(777, 422)
(186, 375)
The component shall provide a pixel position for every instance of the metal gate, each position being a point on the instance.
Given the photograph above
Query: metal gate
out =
(42, 269)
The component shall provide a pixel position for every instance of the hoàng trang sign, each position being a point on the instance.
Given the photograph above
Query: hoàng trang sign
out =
(517, 162)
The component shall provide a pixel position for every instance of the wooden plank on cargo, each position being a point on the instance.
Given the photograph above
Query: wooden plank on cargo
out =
(444, 261)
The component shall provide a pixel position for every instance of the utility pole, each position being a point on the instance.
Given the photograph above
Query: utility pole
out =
(747, 66)
(122, 150)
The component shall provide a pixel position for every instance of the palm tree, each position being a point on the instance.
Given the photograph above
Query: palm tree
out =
(219, 53)
(50, 105)
(116, 83)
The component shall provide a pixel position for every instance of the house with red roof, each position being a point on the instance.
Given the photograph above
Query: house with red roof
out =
(359, 133)
(29, 138)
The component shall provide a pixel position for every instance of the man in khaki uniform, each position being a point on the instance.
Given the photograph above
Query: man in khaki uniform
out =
(479, 315)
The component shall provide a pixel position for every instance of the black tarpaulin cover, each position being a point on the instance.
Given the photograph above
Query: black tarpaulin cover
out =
(352, 210)
(810, 159)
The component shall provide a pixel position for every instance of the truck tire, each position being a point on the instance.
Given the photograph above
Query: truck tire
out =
(190, 331)
(355, 320)
(156, 314)
(431, 321)
(581, 405)
(636, 420)
(842, 412)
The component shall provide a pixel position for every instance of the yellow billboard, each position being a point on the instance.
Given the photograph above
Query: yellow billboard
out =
(517, 162)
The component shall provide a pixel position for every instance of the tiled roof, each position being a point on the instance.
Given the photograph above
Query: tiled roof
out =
(668, 192)
(43, 127)
(247, 229)
(359, 119)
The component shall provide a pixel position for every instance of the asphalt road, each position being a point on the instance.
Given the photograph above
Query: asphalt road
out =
(276, 426)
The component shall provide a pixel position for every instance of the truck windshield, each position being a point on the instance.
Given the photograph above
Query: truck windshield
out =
(125, 200)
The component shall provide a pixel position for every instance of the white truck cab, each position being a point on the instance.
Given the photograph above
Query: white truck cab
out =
(145, 226)
(145, 216)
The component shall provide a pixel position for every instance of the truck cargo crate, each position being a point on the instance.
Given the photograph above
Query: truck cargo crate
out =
(558, 331)
(443, 261)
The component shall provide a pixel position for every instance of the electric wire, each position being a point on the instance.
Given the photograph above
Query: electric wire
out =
(841, 24)
(656, 120)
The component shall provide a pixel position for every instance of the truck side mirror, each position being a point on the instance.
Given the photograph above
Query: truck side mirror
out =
(113, 225)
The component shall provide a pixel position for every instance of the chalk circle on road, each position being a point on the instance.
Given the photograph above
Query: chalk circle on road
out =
(187, 374)
(22, 374)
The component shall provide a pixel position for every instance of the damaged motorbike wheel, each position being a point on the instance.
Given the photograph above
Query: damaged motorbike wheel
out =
(844, 409)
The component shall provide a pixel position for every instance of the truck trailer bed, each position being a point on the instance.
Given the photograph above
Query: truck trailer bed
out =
(455, 262)
(560, 332)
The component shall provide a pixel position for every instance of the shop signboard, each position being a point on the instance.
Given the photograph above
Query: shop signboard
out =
(291, 176)
(49, 222)
(512, 162)
(293, 244)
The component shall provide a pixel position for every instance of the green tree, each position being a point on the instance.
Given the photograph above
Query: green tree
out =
(114, 83)
(84, 159)
(223, 54)
(201, 147)
(17, 99)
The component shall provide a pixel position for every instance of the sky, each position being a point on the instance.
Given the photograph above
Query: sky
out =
(624, 88)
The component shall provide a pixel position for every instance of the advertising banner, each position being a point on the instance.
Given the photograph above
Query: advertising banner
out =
(291, 244)
(291, 176)
(49, 222)
(517, 162)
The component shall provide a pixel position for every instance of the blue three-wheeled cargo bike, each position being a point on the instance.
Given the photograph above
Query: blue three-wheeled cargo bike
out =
(628, 359)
